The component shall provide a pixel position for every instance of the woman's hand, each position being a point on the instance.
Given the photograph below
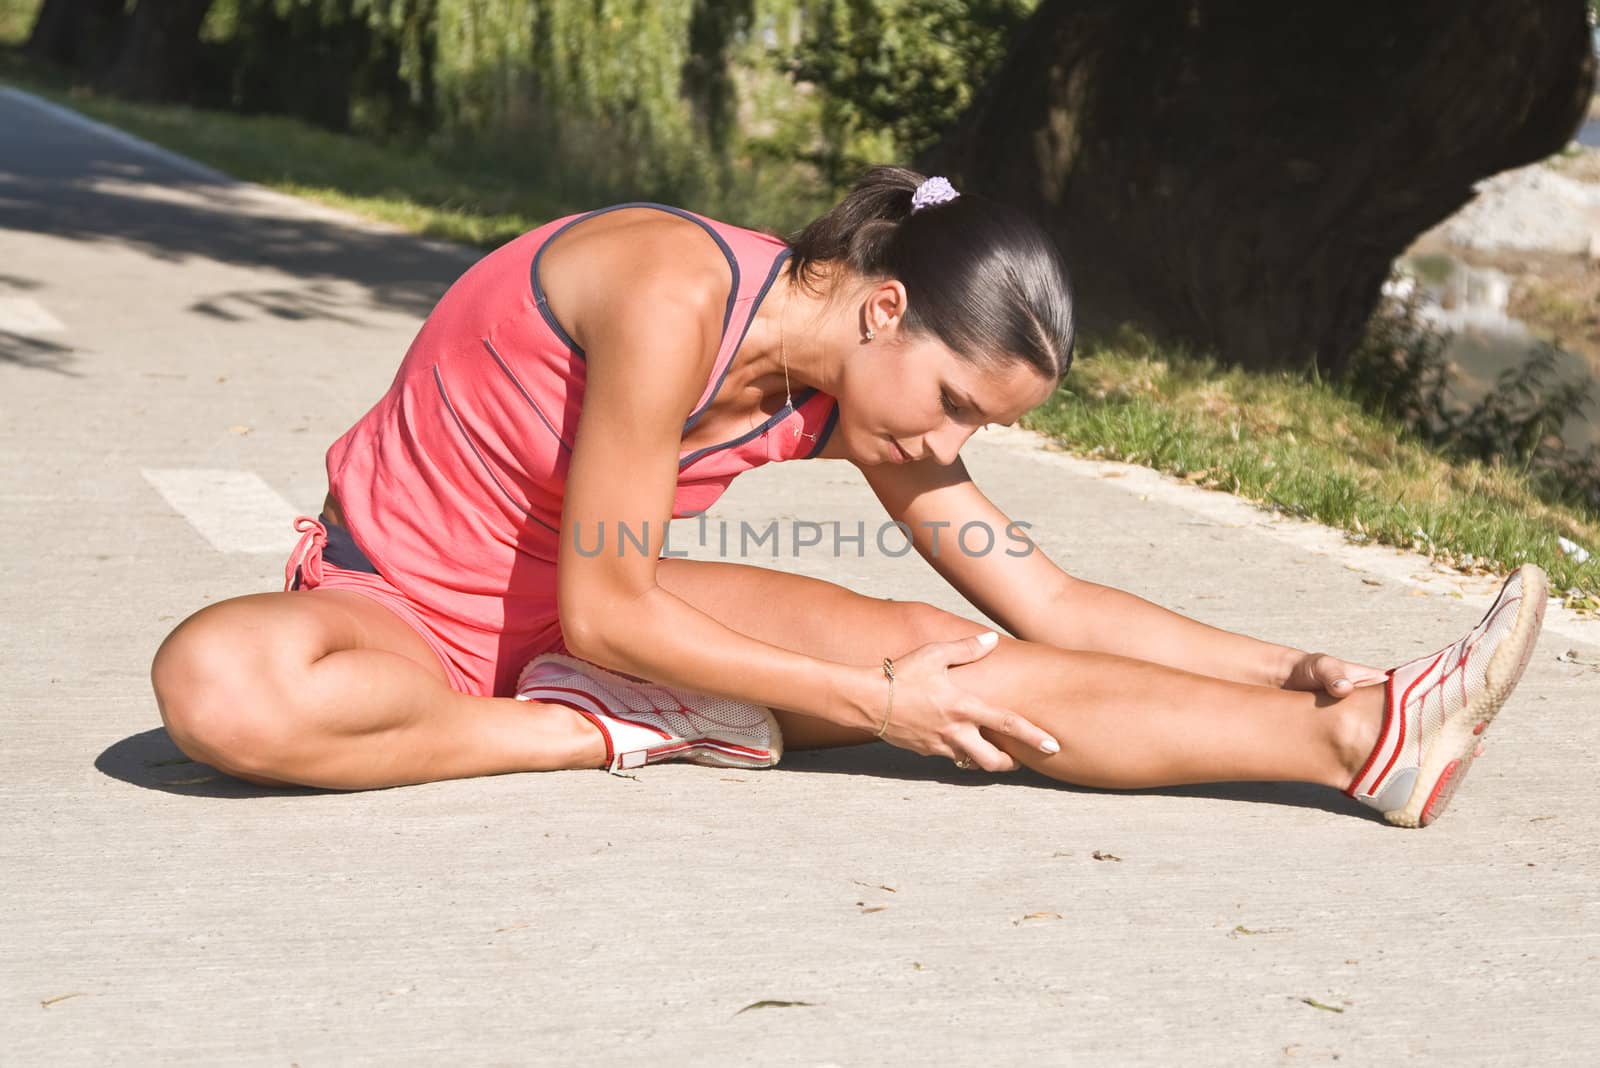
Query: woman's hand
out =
(1335, 677)
(935, 717)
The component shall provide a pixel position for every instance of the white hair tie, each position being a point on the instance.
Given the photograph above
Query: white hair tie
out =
(931, 193)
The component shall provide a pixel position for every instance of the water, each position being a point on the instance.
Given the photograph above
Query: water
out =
(1469, 304)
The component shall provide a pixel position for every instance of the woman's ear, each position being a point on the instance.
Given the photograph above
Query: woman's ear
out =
(884, 309)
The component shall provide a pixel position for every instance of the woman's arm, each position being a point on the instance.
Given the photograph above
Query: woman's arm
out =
(647, 359)
(1018, 586)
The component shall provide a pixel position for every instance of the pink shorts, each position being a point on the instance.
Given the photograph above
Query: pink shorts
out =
(477, 662)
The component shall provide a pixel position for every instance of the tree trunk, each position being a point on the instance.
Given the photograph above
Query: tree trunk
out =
(157, 61)
(81, 34)
(1241, 176)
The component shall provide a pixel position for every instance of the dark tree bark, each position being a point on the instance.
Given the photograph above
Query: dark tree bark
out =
(157, 61)
(1241, 176)
(81, 34)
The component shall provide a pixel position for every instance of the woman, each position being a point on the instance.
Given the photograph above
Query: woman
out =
(462, 563)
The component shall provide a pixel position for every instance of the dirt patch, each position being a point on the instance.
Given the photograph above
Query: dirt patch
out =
(1565, 307)
(1581, 166)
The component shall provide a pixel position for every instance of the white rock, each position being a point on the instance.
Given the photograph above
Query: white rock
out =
(1532, 208)
(1571, 548)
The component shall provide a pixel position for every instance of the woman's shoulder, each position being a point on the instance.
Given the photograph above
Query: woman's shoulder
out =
(622, 260)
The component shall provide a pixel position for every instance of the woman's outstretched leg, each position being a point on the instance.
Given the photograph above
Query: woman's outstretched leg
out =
(1126, 723)
(1121, 722)
(1401, 748)
(329, 688)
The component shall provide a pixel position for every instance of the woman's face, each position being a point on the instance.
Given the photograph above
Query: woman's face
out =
(906, 398)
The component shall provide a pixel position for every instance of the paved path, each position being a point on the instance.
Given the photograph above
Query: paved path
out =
(176, 352)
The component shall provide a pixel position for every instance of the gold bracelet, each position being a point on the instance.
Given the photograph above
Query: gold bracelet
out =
(888, 673)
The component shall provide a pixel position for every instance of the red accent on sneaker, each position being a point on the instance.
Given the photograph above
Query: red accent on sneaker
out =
(1383, 731)
(662, 753)
(1391, 709)
(1443, 790)
(544, 689)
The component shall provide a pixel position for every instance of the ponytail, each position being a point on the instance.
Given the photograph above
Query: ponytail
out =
(979, 275)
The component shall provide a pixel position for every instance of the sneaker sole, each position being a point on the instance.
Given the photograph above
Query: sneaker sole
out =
(1455, 748)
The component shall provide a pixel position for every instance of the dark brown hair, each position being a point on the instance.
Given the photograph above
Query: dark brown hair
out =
(980, 276)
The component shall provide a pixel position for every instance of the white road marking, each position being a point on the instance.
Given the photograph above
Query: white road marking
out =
(233, 510)
(24, 315)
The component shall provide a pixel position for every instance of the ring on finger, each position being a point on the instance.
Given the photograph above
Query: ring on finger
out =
(964, 763)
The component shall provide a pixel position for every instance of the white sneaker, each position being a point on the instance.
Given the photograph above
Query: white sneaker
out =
(1437, 706)
(645, 723)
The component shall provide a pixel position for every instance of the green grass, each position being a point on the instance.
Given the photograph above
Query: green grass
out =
(1277, 439)
(16, 20)
(1304, 448)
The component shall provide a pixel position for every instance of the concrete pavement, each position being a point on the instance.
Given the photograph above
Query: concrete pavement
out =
(862, 906)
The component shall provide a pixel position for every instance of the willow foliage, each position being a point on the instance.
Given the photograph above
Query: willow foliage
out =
(760, 108)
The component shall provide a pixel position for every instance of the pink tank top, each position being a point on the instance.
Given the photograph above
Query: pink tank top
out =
(453, 483)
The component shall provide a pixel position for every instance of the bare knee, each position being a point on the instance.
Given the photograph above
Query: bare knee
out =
(215, 689)
(929, 623)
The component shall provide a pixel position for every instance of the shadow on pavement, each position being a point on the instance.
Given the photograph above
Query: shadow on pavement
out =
(151, 760)
(19, 350)
(64, 181)
(314, 301)
(198, 220)
(883, 762)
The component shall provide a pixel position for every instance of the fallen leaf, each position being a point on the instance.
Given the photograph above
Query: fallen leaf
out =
(872, 908)
(513, 927)
(1372, 582)
(196, 781)
(47, 1002)
(773, 1005)
(1315, 1004)
(1540, 819)
(1106, 856)
(875, 886)
(726, 778)
(1042, 916)
(1417, 593)
(167, 763)
(1243, 930)
(239, 430)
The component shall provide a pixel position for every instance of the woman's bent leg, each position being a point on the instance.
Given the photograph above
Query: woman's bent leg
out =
(329, 688)
(1121, 723)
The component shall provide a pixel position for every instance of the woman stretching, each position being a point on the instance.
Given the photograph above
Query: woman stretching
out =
(486, 590)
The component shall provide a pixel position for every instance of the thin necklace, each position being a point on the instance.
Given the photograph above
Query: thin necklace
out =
(783, 355)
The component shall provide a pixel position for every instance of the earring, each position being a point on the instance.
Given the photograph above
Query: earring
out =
(870, 334)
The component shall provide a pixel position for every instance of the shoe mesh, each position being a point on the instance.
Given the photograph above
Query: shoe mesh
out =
(1448, 687)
